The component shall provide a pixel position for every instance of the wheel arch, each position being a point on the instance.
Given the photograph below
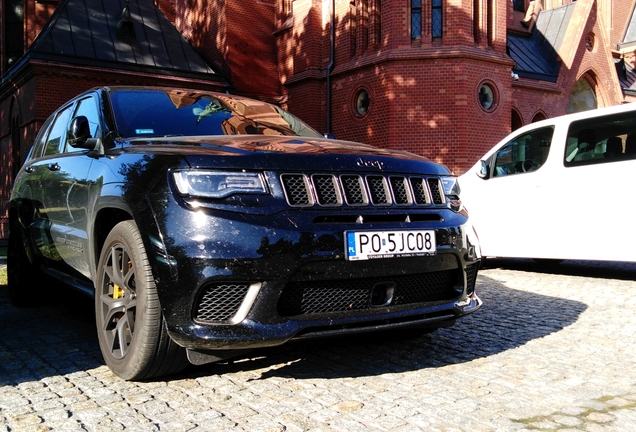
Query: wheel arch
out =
(105, 221)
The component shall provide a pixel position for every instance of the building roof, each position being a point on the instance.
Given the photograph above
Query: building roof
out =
(630, 32)
(536, 54)
(626, 76)
(117, 34)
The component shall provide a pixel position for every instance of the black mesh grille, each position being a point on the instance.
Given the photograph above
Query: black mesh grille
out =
(436, 193)
(326, 189)
(400, 190)
(342, 295)
(471, 277)
(419, 190)
(303, 190)
(378, 190)
(352, 185)
(296, 189)
(219, 302)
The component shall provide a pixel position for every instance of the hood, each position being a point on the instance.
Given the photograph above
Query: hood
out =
(290, 153)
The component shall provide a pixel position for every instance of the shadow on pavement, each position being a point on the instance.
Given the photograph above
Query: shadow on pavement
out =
(508, 319)
(60, 338)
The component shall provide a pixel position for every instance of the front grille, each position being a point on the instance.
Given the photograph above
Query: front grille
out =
(328, 190)
(219, 302)
(297, 190)
(471, 277)
(300, 298)
(436, 194)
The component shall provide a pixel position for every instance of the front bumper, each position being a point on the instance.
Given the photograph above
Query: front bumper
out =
(266, 279)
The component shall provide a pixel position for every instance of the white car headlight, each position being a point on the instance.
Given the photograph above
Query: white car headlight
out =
(451, 186)
(218, 184)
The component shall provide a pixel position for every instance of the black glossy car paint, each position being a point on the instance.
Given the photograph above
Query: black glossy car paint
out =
(66, 203)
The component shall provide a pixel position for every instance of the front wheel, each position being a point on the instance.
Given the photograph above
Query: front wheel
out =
(130, 325)
(23, 278)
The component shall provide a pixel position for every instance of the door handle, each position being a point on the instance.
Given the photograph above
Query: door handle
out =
(54, 166)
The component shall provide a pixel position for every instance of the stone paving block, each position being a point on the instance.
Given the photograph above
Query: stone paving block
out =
(546, 349)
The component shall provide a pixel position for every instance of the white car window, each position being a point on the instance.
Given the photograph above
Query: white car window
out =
(600, 140)
(525, 153)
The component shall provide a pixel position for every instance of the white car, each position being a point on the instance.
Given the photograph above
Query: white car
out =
(559, 189)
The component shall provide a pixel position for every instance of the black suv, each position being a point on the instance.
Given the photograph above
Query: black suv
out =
(206, 224)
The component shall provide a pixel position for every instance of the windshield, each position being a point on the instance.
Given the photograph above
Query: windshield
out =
(159, 113)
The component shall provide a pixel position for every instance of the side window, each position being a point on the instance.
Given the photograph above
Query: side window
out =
(40, 140)
(57, 137)
(603, 139)
(525, 153)
(86, 107)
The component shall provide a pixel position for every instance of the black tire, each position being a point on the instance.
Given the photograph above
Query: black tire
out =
(130, 325)
(548, 261)
(23, 278)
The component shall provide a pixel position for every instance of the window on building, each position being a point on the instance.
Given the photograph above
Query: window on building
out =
(583, 97)
(287, 8)
(15, 132)
(436, 18)
(416, 19)
(376, 22)
(476, 21)
(14, 31)
(515, 120)
(363, 15)
(353, 28)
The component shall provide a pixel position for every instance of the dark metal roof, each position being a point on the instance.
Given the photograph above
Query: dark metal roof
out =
(536, 54)
(92, 33)
(626, 76)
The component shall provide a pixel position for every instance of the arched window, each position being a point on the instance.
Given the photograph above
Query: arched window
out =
(583, 96)
(515, 122)
(538, 117)
(13, 31)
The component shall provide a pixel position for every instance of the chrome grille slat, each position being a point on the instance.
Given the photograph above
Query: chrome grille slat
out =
(329, 190)
(436, 190)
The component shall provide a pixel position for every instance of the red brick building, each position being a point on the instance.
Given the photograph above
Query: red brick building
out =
(442, 78)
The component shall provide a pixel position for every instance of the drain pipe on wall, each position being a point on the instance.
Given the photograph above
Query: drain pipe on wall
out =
(332, 42)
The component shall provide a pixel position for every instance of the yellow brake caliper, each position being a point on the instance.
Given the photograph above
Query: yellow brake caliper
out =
(118, 292)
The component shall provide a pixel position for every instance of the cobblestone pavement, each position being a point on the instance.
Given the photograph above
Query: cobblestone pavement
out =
(553, 348)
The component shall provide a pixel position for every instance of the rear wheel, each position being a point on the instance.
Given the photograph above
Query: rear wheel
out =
(130, 325)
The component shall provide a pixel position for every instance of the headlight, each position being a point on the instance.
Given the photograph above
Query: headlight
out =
(451, 186)
(218, 184)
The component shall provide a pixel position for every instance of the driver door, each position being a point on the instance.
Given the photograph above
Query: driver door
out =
(510, 211)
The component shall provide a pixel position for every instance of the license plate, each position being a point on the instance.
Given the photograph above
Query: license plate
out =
(363, 245)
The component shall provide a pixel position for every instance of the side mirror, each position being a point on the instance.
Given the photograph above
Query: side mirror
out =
(79, 132)
(483, 170)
